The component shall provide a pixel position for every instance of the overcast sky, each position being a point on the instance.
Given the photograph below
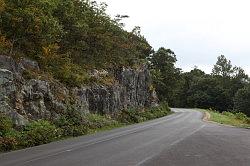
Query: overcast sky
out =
(198, 31)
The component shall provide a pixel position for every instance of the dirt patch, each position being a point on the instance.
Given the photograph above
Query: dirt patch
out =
(206, 116)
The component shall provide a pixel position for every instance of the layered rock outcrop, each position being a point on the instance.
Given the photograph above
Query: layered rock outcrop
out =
(33, 99)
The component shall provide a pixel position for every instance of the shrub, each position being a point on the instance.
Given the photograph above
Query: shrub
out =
(130, 116)
(69, 129)
(40, 132)
(8, 143)
(5, 44)
(135, 116)
(230, 114)
(73, 123)
(242, 100)
(98, 121)
(5, 124)
(73, 131)
(241, 116)
(10, 140)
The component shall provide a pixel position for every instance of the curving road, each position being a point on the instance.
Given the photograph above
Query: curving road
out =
(181, 139)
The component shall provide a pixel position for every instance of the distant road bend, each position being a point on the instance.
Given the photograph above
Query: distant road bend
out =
(181, 139)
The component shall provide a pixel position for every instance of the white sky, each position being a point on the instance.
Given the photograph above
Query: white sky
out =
(198, 31)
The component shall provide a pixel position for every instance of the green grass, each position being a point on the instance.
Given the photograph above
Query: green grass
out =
(228, 118)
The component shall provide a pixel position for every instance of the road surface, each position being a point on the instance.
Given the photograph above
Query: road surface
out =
(181, 139)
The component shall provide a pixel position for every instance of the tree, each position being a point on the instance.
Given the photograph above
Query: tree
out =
(223, 67)
(206, 92)
(30, 25)
(165, 73)
(184, 84)
(242, 100)
(230, 78)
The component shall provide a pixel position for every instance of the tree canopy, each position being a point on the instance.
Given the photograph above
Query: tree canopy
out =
(225, 89)
(75, 34)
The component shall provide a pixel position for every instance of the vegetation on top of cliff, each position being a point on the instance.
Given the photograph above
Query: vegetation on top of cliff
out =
(69, 37)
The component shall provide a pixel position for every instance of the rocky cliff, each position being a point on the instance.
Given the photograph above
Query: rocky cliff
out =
(33, 99)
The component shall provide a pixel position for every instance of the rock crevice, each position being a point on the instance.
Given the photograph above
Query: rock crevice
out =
(34, 99)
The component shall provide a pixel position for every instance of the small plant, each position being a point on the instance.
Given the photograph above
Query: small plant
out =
(8, 143)
(98, 121)
(241, 116)
(228, 113)
(134, 116)
(73, 123)
(40, 132)
(5, 124)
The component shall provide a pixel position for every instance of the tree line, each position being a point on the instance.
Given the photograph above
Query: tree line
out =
(227, 88)
(69, 37)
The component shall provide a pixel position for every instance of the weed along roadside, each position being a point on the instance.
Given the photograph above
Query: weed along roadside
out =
(237, 119)
(72, 124)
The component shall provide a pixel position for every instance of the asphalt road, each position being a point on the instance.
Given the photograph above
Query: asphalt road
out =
(181, 139)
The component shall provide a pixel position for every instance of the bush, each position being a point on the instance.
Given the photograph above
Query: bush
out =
(8, 143)
(40, 132)
(73, 131)
(97, 121)
(10, 140)
(135, 116)
(5, 124)
(73, 123)
(242, 100)
(241, 116)
(130, 116)
(230, 114)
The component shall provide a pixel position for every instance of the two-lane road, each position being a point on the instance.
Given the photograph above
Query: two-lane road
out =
(181, 139)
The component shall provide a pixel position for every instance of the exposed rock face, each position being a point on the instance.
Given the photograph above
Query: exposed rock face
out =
(33, 99)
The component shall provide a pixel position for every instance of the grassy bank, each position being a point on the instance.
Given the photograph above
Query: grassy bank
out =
(229, 118)
(71, 124)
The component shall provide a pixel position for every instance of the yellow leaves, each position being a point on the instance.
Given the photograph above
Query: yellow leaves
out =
(151, 88)
(50, 50)
(38, 23)
(2, 5)
(5, 45)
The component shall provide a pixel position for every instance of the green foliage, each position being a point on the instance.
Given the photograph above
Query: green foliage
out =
(5, 124)
(69, 37)
(242, 100)
(8, 136)
(29, 25)
(165, 74)
(98, 121)
(241, 116)
(8, 143)
(73, 123)
(207, 93)
(223, 67)
(131, 116)
(222, 90)
(39, 132)
(229, 118)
